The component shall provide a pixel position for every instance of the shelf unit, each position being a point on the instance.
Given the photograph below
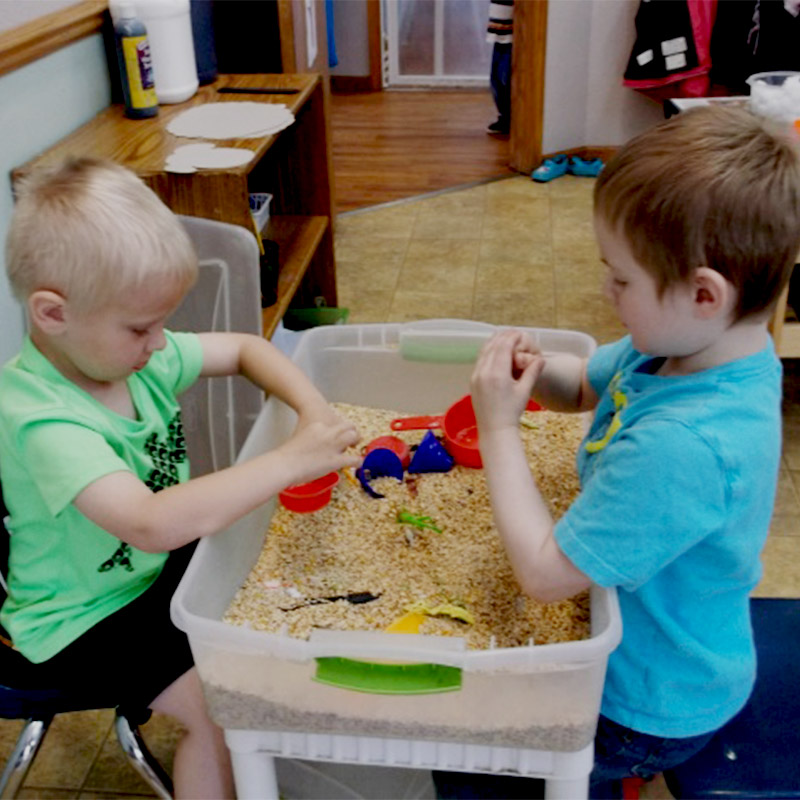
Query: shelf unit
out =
(293, 165)
(785, 332)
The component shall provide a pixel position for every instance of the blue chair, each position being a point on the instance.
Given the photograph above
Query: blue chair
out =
(757, 754)
(21, 697)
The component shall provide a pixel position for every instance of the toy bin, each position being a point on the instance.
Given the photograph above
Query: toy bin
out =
(371, 683)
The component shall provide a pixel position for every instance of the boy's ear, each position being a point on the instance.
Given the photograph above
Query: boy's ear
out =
(712, 293)
(47, 311)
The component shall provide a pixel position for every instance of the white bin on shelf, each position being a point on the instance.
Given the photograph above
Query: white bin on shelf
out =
(543, 697)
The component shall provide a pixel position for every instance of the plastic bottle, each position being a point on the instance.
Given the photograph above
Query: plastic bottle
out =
(169, 28)
(203, 32)
(135, 64)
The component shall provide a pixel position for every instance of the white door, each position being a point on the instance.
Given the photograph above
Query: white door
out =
(436, 42)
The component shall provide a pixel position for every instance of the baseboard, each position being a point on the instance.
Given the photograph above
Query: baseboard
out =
(587, 152)
(351, 83)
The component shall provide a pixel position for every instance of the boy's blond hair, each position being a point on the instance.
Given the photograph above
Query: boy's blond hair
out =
(714, 186)
(92, 231)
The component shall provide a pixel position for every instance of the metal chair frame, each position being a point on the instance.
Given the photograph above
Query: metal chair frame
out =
(130, 740)
(42, 710)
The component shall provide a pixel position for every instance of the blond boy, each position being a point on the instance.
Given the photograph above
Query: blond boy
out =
(92, 456)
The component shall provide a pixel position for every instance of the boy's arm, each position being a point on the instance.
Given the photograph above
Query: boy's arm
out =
(156, 522)
(501, 384)
(562, 384)
(524, 521)
(264, 365)
(125, 507)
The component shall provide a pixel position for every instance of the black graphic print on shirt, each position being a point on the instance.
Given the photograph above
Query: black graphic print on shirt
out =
(166, 455)
(121, 558)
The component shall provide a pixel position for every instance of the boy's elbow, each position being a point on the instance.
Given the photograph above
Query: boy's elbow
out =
(547, 594)
(147, 531)
(545, 587)
(540, 591)
(145, 538)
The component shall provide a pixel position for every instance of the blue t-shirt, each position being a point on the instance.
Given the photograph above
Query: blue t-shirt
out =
(678, 480)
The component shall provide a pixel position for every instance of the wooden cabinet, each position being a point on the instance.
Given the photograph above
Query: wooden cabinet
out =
(785, 332)
(293, 165)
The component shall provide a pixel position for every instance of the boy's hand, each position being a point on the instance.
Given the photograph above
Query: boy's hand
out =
(503, 379)
(316, 448)
(318, 412)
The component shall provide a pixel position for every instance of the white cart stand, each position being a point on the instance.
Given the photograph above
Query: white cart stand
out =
(253, 754)
(526, 711)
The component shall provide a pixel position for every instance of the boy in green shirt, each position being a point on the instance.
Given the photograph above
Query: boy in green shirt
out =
(92, 457)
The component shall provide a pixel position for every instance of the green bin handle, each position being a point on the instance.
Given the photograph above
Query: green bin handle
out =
(367, 676)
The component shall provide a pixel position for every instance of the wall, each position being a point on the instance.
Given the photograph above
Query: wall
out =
(352, 37)
(588, 46)
(39, 104)
(14, 13)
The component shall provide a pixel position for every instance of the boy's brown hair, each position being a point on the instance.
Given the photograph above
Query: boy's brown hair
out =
(715, 186)
(91, 230)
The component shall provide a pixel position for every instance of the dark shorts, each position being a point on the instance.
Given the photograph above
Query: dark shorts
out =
(129, 657)
(619, 753)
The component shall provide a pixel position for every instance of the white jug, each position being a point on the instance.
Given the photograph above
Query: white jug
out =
(169, 31)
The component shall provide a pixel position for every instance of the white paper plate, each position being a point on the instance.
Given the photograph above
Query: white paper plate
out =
(231, 120)
(190, 157)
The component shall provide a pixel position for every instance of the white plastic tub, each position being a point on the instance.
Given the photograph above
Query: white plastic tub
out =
(545, 697)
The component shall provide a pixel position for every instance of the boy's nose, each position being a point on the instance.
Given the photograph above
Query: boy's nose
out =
(157, 341)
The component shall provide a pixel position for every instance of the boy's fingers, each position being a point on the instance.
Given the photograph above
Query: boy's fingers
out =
(530, 374)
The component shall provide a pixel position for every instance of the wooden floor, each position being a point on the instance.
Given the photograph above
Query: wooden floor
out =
(397, 144)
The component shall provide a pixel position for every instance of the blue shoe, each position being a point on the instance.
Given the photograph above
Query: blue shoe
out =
(550, 168)
(590, 169)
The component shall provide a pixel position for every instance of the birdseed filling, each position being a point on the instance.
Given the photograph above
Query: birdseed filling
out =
(427, 552)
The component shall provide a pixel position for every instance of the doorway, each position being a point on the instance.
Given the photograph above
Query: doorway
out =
(436, 43)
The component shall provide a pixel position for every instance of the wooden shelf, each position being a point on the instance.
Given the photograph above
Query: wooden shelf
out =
(785, 334)
(293, 165)
(298, 240)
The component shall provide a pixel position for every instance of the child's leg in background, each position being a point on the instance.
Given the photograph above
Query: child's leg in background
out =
(500, 81)
(623, 753)
(202, 767)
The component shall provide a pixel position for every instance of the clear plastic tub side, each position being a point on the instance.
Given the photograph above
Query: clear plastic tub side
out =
(542, 696)
(554, 711)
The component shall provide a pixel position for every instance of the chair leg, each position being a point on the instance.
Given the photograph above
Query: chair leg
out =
(21, 759)
(141, 759)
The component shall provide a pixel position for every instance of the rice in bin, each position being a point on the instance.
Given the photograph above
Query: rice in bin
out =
(356, 544)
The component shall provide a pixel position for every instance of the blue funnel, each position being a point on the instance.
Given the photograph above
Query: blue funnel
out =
(430, 456)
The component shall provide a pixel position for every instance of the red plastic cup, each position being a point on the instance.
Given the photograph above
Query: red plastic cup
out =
(460, 429)
(307, 497)
(393, 443)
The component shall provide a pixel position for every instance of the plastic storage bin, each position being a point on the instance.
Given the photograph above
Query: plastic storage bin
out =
(218, 413)
(259, 208)
(538, 697)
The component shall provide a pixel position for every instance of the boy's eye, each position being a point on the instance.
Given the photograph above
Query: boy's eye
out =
(139, 331)
(619, 282)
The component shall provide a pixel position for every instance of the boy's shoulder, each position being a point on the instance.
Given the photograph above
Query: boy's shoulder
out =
(31, 388)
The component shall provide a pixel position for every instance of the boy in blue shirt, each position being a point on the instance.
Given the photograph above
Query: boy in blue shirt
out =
(698, 224)
(92, 456)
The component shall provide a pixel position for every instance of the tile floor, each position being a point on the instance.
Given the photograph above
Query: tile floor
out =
(507, 252)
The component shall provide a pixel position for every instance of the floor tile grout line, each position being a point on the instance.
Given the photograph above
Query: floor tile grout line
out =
(97, 755)
(428, 195)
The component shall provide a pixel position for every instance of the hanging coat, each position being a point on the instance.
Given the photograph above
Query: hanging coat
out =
(671, 54)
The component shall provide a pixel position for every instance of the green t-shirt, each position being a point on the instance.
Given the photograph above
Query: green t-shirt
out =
(65, 573)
